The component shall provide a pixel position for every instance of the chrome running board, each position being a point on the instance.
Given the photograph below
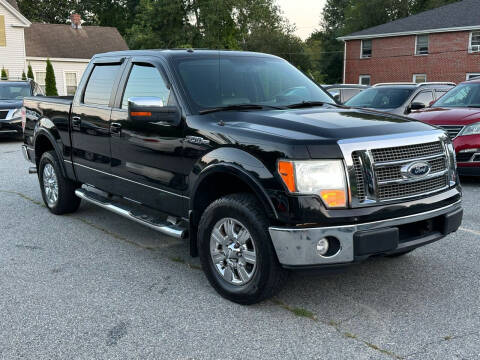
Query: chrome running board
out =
(152, 221)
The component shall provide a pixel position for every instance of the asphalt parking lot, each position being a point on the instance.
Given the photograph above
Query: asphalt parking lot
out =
(93, 285)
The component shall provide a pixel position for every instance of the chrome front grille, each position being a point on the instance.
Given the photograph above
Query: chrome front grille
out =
(403, 190)
(452, 130)
(390, 173)
(407, 152)
(360, 189)
(381, 173)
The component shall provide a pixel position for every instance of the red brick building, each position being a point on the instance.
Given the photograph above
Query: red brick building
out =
(442, 44)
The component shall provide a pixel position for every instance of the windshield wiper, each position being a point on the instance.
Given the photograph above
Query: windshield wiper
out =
(239, 107)
(307, 104)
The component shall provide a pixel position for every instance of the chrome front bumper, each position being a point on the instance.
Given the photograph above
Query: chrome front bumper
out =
(297, 246)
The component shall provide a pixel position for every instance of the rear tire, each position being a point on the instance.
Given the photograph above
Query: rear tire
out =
(58, 192)
(246, 269)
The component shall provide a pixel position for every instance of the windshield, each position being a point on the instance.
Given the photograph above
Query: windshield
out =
(381, 98)
(14, 91)
(213, 81)
(466, 95)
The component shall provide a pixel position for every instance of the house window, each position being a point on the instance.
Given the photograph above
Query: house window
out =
(364, 80)
(366, 49)
(419, 78)
(474, 41)
(70, 83)
(471, 76)
(3, 35)
(421, 47)
(40, 79)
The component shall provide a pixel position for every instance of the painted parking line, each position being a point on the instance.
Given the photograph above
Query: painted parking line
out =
(470, 231)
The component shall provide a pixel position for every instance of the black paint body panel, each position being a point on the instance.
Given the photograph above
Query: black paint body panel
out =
(159, 166)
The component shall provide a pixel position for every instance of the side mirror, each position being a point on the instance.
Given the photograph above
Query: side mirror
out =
(151, 110)
(417, 106)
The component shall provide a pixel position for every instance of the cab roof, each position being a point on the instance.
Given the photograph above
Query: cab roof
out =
(173, 53)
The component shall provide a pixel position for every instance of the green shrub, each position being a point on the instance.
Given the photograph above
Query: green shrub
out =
(50, 82)
(4, 75)
(30, 72)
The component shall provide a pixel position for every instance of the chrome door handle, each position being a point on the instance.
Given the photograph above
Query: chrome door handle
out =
(115, 128)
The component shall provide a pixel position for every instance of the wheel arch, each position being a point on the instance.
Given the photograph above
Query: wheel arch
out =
(218, 180)
(45, 141)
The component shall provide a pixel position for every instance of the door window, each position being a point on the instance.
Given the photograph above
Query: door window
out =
(146, 81)
(425, 97)
(100, 85)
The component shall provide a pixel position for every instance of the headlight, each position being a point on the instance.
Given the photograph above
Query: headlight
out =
(472, 129)
(17, 114)
(325, 178)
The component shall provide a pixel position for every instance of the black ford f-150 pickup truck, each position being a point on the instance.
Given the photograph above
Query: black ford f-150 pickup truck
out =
(247, 158)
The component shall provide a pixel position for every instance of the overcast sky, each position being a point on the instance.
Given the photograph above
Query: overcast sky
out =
(305, 14)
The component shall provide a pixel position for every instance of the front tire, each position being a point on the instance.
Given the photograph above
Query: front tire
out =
(236, 251)
(58, 192)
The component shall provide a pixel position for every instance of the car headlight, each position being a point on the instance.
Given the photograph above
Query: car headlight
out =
(472, 129)
(17, 114)
(324, 178)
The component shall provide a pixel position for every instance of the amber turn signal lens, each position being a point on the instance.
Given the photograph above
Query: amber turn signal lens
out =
(141, 113)
(334, 198)
(285, 169)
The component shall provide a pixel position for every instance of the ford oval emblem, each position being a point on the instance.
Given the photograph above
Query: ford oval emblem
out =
(416, 170)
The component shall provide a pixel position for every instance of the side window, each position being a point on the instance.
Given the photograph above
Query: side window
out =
(145, 81)
(425, 97)
(440, 93)
(349, 93)
(100, 85)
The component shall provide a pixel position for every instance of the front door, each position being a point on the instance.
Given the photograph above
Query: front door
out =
(147, 157)
(90, 126)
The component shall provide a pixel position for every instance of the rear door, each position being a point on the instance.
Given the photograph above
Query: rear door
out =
(147, 158)
(90, 122)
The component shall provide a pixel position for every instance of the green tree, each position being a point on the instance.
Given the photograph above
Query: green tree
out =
(4, 75)
(159, 24)
(30, 72)
(24, 76)
(50, 82)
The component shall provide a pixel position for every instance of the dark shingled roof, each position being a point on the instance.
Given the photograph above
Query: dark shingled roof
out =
(460, 14)
(63, 41)
(14, 4)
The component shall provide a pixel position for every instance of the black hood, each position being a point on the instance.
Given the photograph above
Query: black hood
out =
(10, 104)
(312, 125)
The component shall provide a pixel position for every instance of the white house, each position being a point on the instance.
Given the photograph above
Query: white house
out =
(69, 47)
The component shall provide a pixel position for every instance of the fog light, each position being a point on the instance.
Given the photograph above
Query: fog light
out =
(322, 246)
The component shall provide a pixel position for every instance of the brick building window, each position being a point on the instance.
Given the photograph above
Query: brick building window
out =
(474, 41)
(471, 76)
(364, 80)
(419, 78)
(366, 51)
(421, 45)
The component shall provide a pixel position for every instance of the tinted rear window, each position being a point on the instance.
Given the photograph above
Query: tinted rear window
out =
(100, 85)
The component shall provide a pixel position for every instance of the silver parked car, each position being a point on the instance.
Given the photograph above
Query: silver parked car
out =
(400, 98)
(344, 92)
